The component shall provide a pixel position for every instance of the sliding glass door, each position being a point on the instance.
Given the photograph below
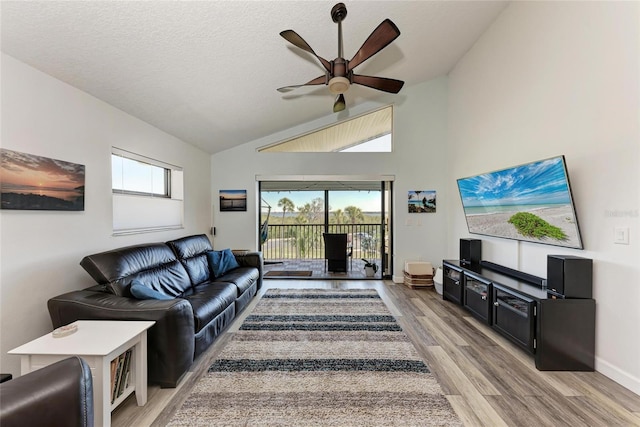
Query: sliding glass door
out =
(295, 214)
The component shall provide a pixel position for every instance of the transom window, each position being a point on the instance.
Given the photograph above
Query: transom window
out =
(370, 132)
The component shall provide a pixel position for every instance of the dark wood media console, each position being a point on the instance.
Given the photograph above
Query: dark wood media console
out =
(559, 331)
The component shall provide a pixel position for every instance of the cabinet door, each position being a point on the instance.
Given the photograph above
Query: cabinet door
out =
(514, 317)
(477, 297)
(452, 284)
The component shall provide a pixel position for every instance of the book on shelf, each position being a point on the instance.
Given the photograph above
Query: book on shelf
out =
(114, 367)
(125, 371)
(120, 367)
(114, 383)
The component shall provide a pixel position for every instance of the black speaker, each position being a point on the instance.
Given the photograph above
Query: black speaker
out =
(569, 276)
(470, 251)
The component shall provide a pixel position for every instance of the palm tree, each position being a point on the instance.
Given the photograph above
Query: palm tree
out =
(287, 206)
(338, 216)
(354, 214)
(312, 212)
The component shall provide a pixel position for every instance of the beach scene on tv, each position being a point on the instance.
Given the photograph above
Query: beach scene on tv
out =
(531, 202)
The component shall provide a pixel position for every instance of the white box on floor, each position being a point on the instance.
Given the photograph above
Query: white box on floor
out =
(418, 268)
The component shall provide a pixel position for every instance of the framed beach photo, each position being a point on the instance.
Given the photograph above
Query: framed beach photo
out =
(30, 182)
(421, 201)
(233, 200)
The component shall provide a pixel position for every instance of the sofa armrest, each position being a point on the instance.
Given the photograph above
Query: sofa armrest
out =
(60, 393)
(252, 259)
(170, 342)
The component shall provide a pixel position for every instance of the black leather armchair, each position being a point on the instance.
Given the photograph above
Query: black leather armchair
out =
(60, 394)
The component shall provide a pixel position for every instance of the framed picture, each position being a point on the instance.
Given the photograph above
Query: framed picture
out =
(423, 201)
(30, 182)
(233, 200)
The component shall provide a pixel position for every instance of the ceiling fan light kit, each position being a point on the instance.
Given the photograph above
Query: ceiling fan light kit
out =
(339, 74)
(339, 85)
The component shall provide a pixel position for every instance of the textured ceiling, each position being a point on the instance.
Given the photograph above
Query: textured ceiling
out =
(207, 72)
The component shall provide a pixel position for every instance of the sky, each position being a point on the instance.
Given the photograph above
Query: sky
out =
(233, 194)
(381, 144)
(27, 171)
(542, 182)
(368, 201)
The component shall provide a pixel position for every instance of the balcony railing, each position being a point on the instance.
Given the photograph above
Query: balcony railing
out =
(304, 241)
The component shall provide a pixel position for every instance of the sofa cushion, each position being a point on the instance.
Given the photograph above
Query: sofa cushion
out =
(191, 251)
(221, 262)
(153, 264)
(242, 278)
(141, 291)
(209, 300)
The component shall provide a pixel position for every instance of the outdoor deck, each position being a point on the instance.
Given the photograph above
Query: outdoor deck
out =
(316, 266)
(300, 248)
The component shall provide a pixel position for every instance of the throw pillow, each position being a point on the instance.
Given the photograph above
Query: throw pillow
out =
(221, 261)
(140, 291)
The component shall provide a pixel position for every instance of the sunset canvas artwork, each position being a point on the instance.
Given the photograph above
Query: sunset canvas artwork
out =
(30, 182)
(233, 200)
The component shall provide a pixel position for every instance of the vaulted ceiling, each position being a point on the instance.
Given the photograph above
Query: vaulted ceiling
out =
(207, 72)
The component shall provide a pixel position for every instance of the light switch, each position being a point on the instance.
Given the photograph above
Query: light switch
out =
(621, 235)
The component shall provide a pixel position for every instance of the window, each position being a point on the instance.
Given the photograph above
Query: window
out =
(136, 177)
(380, 144)
(147, 193)
(370, 132)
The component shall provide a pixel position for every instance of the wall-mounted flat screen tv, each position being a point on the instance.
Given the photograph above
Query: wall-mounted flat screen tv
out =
(530, 202)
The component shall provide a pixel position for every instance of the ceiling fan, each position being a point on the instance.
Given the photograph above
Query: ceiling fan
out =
(339, 74)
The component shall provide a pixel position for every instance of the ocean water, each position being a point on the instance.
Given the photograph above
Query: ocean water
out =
(58, 193)
(419, 203)
(484, 210)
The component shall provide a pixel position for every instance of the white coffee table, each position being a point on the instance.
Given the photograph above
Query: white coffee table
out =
(98, 342)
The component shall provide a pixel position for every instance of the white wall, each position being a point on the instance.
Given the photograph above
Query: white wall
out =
(41, 250)
(552, 78)
(417, 163)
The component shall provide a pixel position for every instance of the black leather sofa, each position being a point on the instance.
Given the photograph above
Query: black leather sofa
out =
(60, 394)
(201, 307)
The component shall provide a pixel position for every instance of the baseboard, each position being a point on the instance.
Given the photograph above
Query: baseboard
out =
(616, 374)
(398, 279)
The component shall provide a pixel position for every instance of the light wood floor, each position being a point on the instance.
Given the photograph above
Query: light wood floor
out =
(487, 380)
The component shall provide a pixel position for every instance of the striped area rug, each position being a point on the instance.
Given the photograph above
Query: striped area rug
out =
(318, 357)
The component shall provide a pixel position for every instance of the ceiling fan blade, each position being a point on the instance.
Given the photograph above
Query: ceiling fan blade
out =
(295, 39)
(317, 81)
(380, 38)
(380, 83)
